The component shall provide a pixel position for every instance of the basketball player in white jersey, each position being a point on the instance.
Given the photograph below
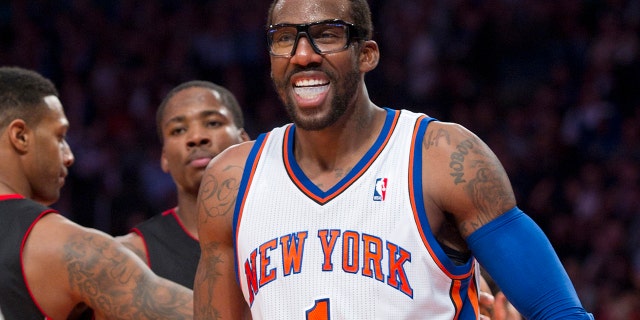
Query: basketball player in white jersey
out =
(355, 211)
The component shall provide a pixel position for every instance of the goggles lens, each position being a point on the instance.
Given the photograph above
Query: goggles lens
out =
(325, 36)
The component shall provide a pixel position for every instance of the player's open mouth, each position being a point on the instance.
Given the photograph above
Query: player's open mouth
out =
(309, 89)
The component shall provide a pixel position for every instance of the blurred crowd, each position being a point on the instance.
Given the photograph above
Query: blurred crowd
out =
(552, 86)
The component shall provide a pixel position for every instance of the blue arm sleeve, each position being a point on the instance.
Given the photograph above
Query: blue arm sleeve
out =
(519, 257)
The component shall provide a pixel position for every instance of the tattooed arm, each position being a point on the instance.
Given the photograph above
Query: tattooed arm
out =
(216, 292)
(67, 266)
(467, 189)
(465, 186)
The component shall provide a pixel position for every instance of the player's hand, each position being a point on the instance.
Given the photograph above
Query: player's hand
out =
(497, 307)
(486, 305)
(503, 309)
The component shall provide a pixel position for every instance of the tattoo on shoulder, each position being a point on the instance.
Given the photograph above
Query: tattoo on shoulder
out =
(222, 193)
(434, 138)
(457, 160)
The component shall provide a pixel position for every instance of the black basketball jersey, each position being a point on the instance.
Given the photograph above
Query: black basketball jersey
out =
(17, 216)
(172, 252)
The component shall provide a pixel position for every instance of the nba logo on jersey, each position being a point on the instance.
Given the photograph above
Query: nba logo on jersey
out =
(380, 190)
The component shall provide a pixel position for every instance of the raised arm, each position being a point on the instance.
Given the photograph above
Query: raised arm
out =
(69, 266)
(466, 184)
(216, 291)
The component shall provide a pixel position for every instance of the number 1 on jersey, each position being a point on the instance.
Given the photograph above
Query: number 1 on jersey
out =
(320, 310)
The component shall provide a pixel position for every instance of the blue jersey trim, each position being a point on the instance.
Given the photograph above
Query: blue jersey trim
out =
(441, 256)
(242, 190)
(322, 197)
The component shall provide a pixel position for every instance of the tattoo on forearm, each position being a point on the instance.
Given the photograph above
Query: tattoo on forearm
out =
(113, 285)
(224, 193)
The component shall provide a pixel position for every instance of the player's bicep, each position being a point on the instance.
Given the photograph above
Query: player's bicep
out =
(470, 182)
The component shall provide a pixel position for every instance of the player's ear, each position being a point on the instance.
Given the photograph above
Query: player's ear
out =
(369, 55)
(164, 163)
(19, 135)
(244, 135)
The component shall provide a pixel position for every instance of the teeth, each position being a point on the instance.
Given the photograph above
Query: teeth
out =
(310, 92)
(307, 83)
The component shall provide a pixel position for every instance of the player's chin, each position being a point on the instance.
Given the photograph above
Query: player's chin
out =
(48, 199)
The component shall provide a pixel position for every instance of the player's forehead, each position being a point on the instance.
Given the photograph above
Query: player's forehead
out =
(305, 11)
(193, 101)
(55, 112)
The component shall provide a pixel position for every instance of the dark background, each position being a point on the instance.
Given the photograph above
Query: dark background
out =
(552, 86)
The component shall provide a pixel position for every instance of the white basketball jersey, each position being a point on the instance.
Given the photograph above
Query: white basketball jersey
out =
(360, 250)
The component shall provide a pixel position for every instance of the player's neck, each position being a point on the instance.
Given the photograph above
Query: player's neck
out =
(341, 144)
(326, 157)
(6, 188)
(187, 211)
